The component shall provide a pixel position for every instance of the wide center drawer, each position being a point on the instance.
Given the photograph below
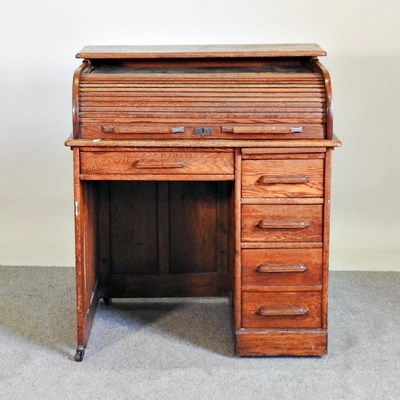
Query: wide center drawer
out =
(283, 178)
(164, 162)
(281, 223)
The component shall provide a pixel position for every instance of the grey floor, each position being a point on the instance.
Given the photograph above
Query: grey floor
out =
(182, 349)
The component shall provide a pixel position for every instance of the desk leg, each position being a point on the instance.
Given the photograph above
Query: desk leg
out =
(237, 274)
(85, 258)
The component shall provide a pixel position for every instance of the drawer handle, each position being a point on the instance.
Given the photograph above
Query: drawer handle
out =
(142, 129)
(158, 164)
(280, 268)
(273, 180)
(283, 224)
(282, 311)
(262, 129)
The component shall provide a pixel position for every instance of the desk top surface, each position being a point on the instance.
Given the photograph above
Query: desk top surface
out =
(202, 51)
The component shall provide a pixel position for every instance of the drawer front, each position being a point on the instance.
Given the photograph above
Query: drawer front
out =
(281, 223)
(150, 163)
(199, 127)
(281, 267)
(281, 310)
(283, 178)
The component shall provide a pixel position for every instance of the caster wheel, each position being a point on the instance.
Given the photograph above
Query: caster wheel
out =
(80, 352)
(107, 300)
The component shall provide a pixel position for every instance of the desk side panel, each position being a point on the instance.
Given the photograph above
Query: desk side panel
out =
(85, 206)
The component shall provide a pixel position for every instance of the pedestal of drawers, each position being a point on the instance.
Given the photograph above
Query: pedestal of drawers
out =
(281, 278)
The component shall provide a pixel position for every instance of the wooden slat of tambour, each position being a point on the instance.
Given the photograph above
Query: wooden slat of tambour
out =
(201, 92)
(311, 101)
(206, 121)
(205, 86)
(210, 86)
(196, 115)
(201, 88)
(282, 92)
(148, 80)
(215, 102)
(316, 84)
(188, 121)
(221, 109)
(195, 103)
(203, 77)
(317, 81)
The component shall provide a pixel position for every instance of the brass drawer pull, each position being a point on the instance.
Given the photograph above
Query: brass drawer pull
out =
(282, 311)
(262, 129)
(283, 224)
(280, 268)
(273, 180)
(147, 164)
(141, 129)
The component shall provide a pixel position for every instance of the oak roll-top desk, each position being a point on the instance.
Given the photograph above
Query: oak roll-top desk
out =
(201, 171)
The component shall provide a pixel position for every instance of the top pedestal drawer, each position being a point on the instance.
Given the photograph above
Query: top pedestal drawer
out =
(157, 163)
(283, 178)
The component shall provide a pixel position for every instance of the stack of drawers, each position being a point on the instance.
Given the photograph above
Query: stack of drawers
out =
(282, 235)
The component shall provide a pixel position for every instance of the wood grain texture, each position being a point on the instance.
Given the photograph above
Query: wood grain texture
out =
(85, 255)
(149, 163)
(193, 227)
(202, 51)
(261, 106)
(237, 268)
(307, 217)
(326, 233)
(75, 99)
(195, 166)
(250, 342)
(133, 228)
(283, 178)
(311, 259)
(329, 106)
(279, 303)
(166, 232)
(98, 143)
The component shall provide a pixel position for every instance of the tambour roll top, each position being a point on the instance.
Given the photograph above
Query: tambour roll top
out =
(218, 92)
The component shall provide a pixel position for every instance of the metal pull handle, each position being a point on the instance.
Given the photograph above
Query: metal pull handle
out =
(157, 164)
(282, 311)
(141, 129)
(283, 224)
(280, 268)
(262, 129)
(274, 180)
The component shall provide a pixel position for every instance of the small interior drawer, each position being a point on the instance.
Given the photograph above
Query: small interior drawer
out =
(281, 223)
(283, 178)
(281, 310)
(281, 267)
(165, 162)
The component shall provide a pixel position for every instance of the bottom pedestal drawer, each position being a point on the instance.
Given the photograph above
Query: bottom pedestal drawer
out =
(275, 342)
(281, 310)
